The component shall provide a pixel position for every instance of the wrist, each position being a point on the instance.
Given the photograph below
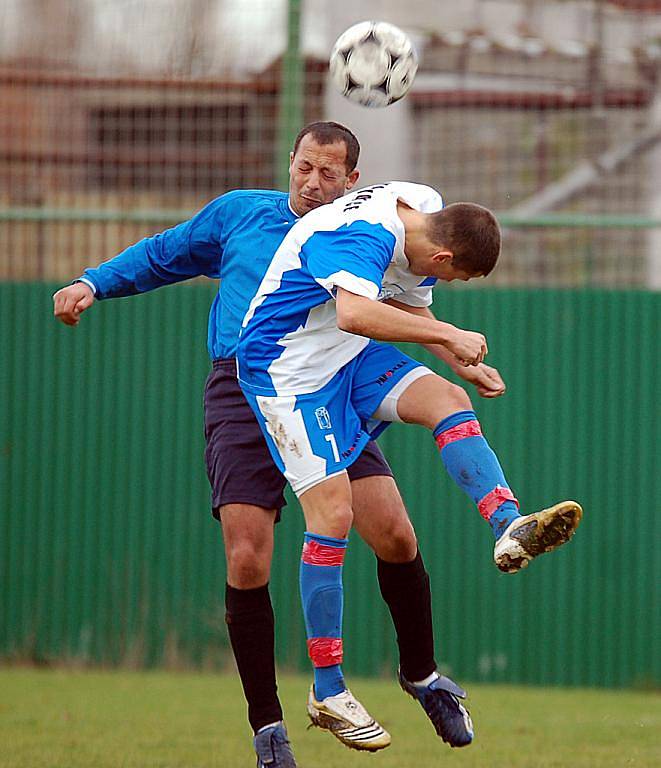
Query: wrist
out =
(445, 332)
(85, 281)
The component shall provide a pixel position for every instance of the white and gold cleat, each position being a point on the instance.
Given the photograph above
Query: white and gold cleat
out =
(348, 720)
(531, 535)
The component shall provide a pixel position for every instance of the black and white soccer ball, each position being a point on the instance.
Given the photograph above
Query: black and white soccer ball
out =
(373, 63)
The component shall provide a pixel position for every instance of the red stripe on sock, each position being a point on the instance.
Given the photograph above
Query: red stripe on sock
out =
(490, 503)
(315, 553)
(467, 429)
(325, 651)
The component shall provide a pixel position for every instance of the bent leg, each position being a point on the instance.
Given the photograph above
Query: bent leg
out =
(441, 406)
(445, 408)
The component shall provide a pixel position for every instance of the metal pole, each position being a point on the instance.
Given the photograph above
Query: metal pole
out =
(290, 112)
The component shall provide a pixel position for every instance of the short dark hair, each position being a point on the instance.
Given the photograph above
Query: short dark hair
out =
(327, 132)
(471, 232)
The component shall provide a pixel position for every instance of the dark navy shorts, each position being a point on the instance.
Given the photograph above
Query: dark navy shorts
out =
(239, 465)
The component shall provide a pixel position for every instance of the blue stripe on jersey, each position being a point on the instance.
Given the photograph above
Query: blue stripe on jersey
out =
(428, 281)
(360, 248)
(254, 227)
(281, 312)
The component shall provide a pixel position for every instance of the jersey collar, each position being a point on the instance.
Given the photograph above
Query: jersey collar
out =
(288, 211)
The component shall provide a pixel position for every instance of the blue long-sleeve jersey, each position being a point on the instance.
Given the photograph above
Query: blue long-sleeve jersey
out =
(233, 238)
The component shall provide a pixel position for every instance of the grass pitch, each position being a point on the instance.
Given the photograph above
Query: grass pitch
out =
(77, 719)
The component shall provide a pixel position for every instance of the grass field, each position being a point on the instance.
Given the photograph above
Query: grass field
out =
(71, 719)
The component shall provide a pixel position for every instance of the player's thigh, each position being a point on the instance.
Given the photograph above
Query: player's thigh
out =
(430, 399)
(381, 373)
(239, 465)
(381, 519)
(312, 436)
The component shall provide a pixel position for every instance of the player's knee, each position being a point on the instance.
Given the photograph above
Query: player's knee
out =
(338, 520)
(333, 518)
(397, 542)
(457, 398)
(430, 399)
(449, 398)
(248, 563)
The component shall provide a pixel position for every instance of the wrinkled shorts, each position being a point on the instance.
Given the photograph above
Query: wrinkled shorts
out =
(317, 435)
(239, 465)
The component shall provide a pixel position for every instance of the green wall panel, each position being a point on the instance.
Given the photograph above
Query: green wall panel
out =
(108, 553)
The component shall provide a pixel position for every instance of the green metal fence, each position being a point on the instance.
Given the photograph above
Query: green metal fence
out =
(108, 553)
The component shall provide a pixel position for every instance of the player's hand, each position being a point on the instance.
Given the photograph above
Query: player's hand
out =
(71, 301)
(468, 347)
(486, 380)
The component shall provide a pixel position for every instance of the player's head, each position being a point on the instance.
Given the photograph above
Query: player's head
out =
(322, 165)
(467, 238)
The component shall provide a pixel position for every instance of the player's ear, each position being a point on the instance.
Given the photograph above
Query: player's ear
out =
(443, 255)
(291, 160)
(352, 178)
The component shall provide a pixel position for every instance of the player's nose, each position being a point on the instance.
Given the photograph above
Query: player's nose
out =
(313, 180)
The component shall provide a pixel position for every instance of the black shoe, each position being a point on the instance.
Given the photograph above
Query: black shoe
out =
(273, 748)
(440, 700)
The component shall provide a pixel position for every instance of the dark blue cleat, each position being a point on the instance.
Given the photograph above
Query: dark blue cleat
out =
(273, 748)
(440, 700)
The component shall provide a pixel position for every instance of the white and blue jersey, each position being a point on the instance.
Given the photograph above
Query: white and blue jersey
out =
(320, 393)
(290, 342)
(233, 238)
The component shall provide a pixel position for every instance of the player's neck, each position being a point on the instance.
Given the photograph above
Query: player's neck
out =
(416, 243)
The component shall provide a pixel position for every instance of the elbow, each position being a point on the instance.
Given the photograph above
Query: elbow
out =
(349, 321)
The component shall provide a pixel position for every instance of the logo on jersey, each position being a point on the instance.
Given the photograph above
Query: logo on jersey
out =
(363, 196)
(388, 374)
(389, 292)
(323, 418)
(385, 294)
(352, 447)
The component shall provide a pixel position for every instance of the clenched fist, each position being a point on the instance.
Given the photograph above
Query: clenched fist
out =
(70, 302)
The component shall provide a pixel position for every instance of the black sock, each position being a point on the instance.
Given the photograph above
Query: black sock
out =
(405, 588)
(249, 618)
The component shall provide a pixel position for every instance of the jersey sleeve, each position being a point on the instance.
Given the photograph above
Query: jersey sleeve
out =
(421, 296)
(190, 249)
(353, 257)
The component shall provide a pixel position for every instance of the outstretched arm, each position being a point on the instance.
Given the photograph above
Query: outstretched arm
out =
(486, 379)
(376, 320)
(187, 250)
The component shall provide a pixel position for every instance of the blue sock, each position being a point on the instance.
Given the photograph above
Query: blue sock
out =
(474, 467)
(322, 599)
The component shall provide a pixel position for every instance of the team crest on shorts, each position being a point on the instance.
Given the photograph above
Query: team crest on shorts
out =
(323, 418)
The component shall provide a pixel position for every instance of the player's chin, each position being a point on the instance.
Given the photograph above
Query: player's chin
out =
(307, 204)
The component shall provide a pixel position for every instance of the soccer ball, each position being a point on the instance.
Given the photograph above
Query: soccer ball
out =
(373, 63)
